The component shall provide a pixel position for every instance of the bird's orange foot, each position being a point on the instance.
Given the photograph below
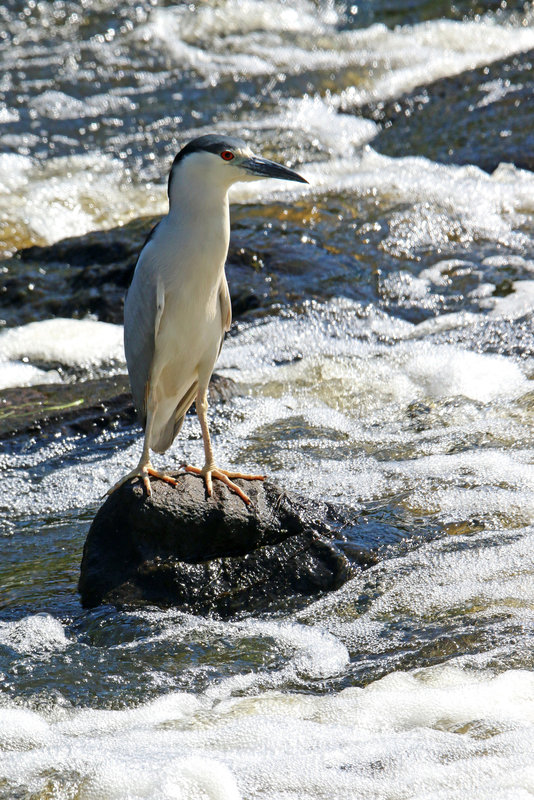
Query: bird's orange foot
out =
(144, 472)
(224, 476)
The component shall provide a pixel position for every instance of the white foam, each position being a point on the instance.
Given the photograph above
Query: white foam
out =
(313, 652)
(177, 24)
(447, 371)
(391, 61)
(58, 105)
(517, 304)
(68, 196)
(487, 573)
(21, 729)
(14, 171)
(331, 353)
(70, 342)
(14, 373)
(447, 202)
(309, 652)
(179, 707)
(37, 634)
(318, 119)
(409, 56)
(194, 778)
(461, 726)
(473, 483)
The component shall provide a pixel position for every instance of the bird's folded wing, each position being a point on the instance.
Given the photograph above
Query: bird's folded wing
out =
(142, 314)
(226, 308)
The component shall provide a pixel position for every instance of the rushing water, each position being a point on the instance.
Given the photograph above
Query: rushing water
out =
(403, 390)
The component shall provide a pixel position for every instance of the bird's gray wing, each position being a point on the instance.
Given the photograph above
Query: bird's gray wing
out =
(142, 314)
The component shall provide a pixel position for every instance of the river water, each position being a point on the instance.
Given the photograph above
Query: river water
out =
(406, 396)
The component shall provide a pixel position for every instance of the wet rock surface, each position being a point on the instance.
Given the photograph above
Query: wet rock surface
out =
(74, 277)
(90, 274)
(479, 117)
(80, 408)
(180, 548)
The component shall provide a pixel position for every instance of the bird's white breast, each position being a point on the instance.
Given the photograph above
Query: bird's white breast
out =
(188, 257)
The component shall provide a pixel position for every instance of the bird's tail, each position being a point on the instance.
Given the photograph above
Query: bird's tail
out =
(164, 432)
(167, 435)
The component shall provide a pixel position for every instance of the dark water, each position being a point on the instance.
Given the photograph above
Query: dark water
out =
(396, 380)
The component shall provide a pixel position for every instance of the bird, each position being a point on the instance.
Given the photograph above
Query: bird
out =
(178, 309)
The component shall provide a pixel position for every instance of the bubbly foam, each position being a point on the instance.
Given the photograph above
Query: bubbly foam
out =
(78, 343)
(315, 118)
(518, 303)
(194, 778)
(464, 580)
(447, 371)
(14, 170)
(276, 744)
(447, 201)
(14, 373)
(36, 634)
(207, 23)
(68, 196)
(410, 56)
(58, 105)
(391, 61)
(333, 348)
(21, 729)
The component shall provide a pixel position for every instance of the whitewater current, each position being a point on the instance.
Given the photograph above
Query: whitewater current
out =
(408, 400)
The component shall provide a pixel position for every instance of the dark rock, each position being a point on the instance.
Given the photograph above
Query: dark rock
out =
(481, 117)
(75, 277)
(82, 407)
(72, 407)
(412, 12)
(180, 548)
(90, 274)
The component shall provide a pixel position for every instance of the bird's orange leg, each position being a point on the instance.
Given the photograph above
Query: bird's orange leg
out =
(209, 470)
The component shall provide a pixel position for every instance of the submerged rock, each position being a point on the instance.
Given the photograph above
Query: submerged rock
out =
(487, 112)
(90, 274)
(83, 407)
(74, 277)
(180, 548)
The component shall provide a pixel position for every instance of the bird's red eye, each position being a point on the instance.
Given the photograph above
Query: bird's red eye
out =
(227, 155)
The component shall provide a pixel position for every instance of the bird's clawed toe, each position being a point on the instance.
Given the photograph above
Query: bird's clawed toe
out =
(162, 476)
(225, 477)
(144, 472)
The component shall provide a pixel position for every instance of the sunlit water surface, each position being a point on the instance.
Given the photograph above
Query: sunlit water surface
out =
(404, 394)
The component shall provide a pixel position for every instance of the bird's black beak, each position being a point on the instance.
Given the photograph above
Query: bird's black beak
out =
(264, 168)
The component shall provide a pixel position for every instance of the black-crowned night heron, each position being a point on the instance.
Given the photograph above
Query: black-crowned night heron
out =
(178, 306)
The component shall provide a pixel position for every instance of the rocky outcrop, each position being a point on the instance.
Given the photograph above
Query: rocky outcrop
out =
(487, 112)
(80, 408)
(180, 548)
(90, 274)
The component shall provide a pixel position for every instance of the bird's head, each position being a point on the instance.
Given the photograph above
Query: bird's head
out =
(224, 160)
